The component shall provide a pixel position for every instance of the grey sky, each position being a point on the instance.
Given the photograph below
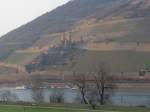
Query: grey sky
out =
(14, 13)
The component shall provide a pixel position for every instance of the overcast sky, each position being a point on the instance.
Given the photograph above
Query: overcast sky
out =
(14, 13)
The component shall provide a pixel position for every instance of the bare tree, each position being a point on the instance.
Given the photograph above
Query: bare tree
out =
(79, 79)
(37, 91)
(102, 80)
(92, 97)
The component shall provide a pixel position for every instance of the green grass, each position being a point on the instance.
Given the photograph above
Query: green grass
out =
(20, 58)
(41, 109)
(119, 61)
(17, 108)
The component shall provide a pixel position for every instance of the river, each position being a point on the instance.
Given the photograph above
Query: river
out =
(120, 98)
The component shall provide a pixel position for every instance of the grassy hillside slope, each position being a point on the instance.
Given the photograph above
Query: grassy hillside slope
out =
(123, 30)
(21, 58)
(131, 33)
(119, 61)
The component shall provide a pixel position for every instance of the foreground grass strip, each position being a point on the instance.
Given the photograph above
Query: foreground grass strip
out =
(17, 108)
(21, 108)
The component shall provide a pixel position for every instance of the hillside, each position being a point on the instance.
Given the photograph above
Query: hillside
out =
(58, 20)
(112, 31)
(65, 17)
(124, 44)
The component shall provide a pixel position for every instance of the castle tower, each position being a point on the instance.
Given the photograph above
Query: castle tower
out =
(63, 38)
(81, 39)
(70, 37)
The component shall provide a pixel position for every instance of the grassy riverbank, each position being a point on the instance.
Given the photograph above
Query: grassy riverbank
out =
(69, 108)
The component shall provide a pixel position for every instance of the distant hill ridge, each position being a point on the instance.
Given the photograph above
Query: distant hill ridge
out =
(96, 21)
(64, 17)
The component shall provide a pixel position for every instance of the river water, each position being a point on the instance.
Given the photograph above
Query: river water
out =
(120, 98)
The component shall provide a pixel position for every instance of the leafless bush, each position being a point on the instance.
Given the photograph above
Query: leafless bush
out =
(57, 97)
(7, 96)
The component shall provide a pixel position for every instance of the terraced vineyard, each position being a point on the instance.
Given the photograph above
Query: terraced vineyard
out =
(119, 61)
(123, 30)
(21, 58)
(114, 31)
